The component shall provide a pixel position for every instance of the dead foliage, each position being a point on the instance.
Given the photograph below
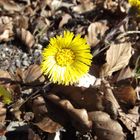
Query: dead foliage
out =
(102, 105)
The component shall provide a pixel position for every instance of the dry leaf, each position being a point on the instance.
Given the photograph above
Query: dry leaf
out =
(2, 113)
(105, 128)
(79, 117)
(2, 130)
(111, 5)
(124, 74)
(47, 117)
(96, 31)
(42, 24)
(117, 57)
(5, 77)
(6, 30)
(26, 37)
(39, 108)
(21, 21)
(32, 75)
(126, 95)
(15, 110)
(137, 133)
(110, 102)
(5, 36)
(32, 135)
(48, 125)
(56, 4)
(81, 98)
(64, 20)
(10, 5)
(86, 5)
(131, 119)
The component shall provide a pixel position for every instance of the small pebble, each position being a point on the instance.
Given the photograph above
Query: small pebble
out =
(18, 63)
(24, 55)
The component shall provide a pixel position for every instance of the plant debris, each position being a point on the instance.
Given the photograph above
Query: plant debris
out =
(102, 104)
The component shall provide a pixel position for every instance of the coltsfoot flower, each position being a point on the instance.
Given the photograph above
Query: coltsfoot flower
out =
(135, 4)
(66, 58)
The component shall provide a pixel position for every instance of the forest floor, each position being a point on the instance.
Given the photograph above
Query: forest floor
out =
(104, 105)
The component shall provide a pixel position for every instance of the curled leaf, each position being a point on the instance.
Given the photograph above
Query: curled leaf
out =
(105, 128)
(26, 37)
(96, 30)
(47, 117)
(79, 117)
(81, 98)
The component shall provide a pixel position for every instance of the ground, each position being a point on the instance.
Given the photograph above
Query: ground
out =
(102, 105)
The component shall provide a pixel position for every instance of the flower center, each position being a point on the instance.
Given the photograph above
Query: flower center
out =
(64, 57)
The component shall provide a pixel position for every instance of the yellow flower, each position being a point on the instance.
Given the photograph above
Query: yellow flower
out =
(66, 59)
(135, 4)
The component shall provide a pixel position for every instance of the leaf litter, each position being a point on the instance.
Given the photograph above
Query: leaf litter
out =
(104, 105)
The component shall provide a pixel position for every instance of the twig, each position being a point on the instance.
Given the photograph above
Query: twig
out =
(109, 37)
(128, 33)
(33, 94)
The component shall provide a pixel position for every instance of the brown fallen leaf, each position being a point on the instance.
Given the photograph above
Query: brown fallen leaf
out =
(96, 31)
(5, 35)
(41, 26)
(110, 102)
(56, 4)
(10, 5)
(86, 5)
(88, 98)
(117, 57)
(2, 130)
(6, 31)
(79, 117)
(15, 110)
(64, 20)
(32, 75)
(104, 127)
(131, 119)
(111, 5)
(137, 133)
(2, 113)
(123, 74)
(126, 96)
(48, 117)
(5, 77)
(32, 135)
(21, 21)
(12, 89)
(26, 37)
(48, 125)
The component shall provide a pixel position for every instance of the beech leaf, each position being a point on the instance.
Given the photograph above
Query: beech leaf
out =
(117, 57)
(105, 128)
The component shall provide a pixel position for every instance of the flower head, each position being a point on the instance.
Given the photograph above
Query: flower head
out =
(135, 5)
(66, 59)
